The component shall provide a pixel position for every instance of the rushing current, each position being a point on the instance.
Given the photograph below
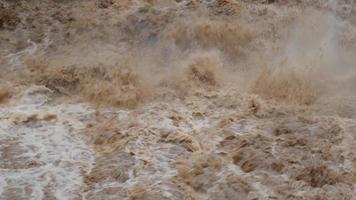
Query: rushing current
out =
(178, 100)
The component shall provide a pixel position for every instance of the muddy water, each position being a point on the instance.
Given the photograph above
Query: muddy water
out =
(199, 100)
(195, 148)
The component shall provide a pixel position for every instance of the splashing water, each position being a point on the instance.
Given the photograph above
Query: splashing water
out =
(177, 100)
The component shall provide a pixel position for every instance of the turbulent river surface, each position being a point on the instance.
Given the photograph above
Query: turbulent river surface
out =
(178, 100)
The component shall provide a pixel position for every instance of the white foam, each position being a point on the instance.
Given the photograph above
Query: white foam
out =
(60, 156)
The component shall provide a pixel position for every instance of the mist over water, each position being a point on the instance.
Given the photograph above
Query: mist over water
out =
(160, 99)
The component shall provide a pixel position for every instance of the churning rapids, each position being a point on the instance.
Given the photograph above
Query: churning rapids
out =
(178, 100)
